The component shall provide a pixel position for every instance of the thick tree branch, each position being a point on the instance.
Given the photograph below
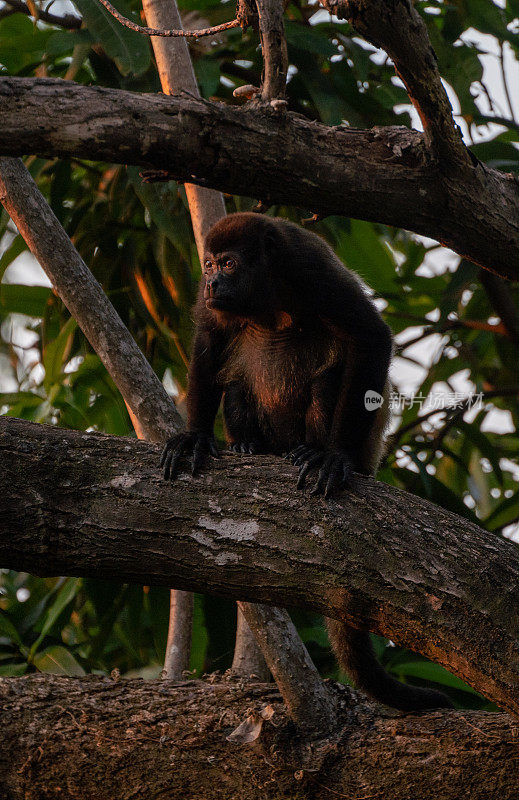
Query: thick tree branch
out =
(383, 174)
(80, 504)
(397, 27)
(87, 738)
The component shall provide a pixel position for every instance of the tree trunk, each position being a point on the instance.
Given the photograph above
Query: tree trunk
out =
(378, 558)
(99, 739)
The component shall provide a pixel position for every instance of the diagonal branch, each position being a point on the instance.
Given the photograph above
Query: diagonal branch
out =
(397, 27)
(381, 559)
(384, 174)
(141, 389)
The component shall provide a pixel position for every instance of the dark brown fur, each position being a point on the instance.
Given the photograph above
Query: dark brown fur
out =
(292, 341)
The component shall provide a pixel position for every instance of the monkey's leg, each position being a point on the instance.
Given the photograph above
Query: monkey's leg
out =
(241, 420)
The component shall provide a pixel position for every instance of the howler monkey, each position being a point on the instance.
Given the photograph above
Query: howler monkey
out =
(297, 348)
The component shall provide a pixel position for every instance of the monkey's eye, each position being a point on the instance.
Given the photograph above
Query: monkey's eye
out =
(230, 265)
(208, 267)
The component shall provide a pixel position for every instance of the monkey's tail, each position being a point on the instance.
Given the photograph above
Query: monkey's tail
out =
(357, 658)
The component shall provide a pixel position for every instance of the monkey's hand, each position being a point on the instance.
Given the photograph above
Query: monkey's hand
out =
(251, 447)
(335, 468)
(191, 445)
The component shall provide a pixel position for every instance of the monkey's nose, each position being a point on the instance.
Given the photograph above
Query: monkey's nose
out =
(213, 287)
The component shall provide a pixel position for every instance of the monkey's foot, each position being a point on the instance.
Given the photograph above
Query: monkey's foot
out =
(335, 468)
(191, 445)
(251, 447)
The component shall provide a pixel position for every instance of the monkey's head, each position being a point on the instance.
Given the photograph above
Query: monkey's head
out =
(238, 269)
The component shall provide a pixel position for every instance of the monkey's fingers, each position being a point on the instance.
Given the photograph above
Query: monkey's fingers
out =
(165, 463)
(197, 459)
(172, 446)
(303, 454)
(176, 455)
(213, 448)
(335, 478)
(312, 462)
(167, 449)
(251, 447)
(348, 478)
(323, 476)
(296, 452)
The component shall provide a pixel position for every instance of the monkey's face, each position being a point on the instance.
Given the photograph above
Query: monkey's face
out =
(231, 284)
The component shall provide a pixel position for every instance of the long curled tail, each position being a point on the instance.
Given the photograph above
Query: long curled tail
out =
(355, 654)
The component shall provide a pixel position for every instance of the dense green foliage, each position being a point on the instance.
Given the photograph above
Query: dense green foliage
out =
(138, 241)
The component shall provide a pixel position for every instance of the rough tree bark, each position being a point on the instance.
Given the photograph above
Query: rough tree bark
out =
(84, 504)
(92, 738)
(383, 174)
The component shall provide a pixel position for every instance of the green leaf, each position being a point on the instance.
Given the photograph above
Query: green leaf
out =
(63, 42)
(57, 660)
(365, 253)
(20, 299)
(16, 247)
(13, 670)
(130, 50)
(207, 73)
(27, 399)
(498, 154)
(485, 16)
(161, 202)
(8, 630)
(484, 445)
(506, 513)
(54, 352)
(432, 672)
(21, 43)
(65, 596)
(311, 39)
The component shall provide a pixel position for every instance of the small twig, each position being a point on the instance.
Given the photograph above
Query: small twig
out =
(179, 33)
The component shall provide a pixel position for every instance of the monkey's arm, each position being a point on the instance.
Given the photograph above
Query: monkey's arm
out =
(350, 311)
(371, 355)
(203, 398)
